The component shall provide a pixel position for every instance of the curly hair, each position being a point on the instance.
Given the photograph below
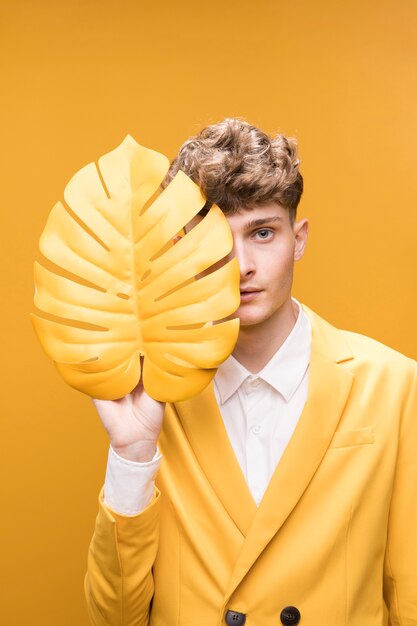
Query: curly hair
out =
(238, 166)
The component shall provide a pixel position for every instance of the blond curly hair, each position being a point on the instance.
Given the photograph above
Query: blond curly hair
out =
(238, 166)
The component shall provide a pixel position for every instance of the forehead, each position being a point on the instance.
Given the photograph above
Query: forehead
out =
(257, 216)
(246, 218)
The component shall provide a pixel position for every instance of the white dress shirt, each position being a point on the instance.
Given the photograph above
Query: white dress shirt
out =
(260, 412)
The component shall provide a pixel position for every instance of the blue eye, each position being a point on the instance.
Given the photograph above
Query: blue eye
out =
(265, 233)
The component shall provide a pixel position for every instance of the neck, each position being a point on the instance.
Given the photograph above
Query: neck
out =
(257, 344)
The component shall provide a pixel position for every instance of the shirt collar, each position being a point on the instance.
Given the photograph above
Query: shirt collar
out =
(285, 370)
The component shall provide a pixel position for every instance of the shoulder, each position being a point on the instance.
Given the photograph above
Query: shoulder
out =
(369, 348)
(358, 350)
(378, 363)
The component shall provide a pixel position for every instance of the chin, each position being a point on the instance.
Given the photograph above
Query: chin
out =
(256, 316)
(250, 320)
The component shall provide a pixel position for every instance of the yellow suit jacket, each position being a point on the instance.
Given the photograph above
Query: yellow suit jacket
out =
(335, 534)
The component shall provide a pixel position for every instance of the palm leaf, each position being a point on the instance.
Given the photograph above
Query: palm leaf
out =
(119, 289)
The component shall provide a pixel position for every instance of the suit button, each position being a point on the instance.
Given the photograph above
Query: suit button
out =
(290, 616)
(233, 618)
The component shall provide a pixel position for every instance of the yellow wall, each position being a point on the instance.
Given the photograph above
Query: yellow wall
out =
(76, 76)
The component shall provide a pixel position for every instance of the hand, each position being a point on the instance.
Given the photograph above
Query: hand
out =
(133, 424)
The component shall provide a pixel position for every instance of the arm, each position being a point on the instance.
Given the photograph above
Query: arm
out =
(400, 575)
(119, 582)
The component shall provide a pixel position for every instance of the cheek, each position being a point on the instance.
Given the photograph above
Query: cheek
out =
(280, 265)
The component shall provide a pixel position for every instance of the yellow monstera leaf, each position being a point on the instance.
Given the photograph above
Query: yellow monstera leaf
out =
(119, 289)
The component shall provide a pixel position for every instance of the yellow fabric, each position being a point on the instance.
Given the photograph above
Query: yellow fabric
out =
(341, 509)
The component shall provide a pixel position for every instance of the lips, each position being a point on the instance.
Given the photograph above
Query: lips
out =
(249, 290)
(249, 293)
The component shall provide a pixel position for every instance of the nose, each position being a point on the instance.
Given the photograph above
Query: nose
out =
(244, 258)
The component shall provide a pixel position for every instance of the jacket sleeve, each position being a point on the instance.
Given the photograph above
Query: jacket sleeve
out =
(119, 583)
(400, 572)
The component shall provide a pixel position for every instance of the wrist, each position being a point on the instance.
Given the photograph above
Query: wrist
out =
(138, 452)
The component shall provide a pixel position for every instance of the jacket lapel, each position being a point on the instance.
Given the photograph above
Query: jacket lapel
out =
(329, 387)
(204, 428)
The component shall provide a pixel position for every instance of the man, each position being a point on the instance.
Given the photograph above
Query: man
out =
(287, 490)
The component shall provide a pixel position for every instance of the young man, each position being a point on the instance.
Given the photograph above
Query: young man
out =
(287, 492)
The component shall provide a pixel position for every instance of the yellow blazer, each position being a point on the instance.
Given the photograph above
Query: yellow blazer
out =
(335, 533)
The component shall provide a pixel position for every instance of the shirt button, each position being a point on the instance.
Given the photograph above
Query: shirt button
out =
(257, 429)
(247, 387)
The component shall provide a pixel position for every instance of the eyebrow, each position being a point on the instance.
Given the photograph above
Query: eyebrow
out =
(261, 221)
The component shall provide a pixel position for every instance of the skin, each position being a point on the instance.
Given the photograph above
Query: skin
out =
(266, 245)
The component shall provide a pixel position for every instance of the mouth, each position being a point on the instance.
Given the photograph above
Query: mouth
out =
(249, 293)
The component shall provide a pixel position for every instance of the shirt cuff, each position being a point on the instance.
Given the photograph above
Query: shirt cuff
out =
(129, 486)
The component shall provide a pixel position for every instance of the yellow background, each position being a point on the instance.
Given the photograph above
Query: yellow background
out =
(76, 77)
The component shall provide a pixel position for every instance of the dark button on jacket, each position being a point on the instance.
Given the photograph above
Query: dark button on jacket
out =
(233, 618)
(290, 616)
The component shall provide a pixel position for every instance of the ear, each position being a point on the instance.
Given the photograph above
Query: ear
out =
(300, 234)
